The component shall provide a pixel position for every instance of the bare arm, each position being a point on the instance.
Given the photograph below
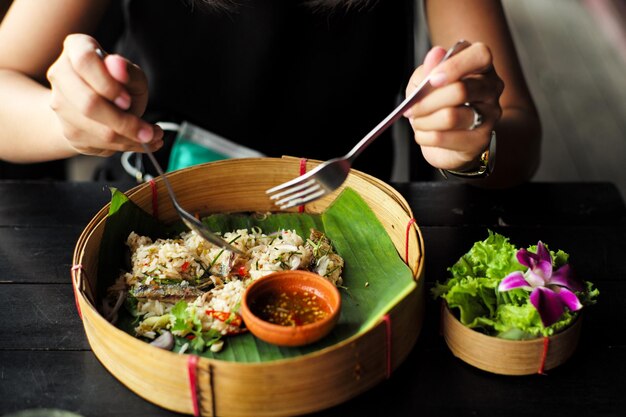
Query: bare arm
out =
(79, 110)
(518, 128)
(31, 37)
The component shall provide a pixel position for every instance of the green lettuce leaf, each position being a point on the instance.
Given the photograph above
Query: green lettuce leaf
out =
(472, 288)
(471, 292)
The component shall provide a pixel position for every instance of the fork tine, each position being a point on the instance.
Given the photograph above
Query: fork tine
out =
(190, 221)
(304, 200)
(293, 189)
(292, 183)
(302, 194)
(332, 173)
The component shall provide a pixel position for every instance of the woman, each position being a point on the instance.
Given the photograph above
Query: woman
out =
(306, 78)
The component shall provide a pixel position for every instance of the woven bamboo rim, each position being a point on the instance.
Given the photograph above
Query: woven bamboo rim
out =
(508, 357)
(293, 386)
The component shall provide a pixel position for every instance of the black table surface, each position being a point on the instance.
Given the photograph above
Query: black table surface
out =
(46, 361)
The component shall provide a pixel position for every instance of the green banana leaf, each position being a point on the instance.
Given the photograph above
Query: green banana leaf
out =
(375, 277)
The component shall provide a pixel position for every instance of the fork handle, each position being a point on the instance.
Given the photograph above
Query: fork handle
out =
(157, 166)
(402, 107)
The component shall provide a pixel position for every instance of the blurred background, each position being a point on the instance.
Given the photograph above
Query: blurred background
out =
(574, 56)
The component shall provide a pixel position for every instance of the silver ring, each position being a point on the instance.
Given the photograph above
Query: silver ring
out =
(101, 53)
(478, 118)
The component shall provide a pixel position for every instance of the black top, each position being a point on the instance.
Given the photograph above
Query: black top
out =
(276, 75)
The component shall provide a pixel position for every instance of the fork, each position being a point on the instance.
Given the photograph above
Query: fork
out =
(190, 221)
(329, 175)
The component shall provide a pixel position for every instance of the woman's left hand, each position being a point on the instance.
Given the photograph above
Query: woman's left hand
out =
(453, 123)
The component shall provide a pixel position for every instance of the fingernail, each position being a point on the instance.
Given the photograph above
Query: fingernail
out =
(123, 101)
(438, 79)
(145, 134)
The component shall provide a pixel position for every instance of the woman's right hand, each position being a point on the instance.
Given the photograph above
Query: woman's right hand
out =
(99, 102)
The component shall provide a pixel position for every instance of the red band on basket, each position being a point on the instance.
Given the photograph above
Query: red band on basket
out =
(406, 240)
(544, 355)
(155, 199)
(302, 172)
(192, 364)
(387, 320)
(73, 270)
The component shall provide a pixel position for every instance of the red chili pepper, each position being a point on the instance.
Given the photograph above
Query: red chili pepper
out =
(190, 336)
(184, 266)
(224, 316)
(219, 315)
(242, 271)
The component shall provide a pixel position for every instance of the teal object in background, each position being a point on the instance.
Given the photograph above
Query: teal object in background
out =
(194, 145)
(186, 153)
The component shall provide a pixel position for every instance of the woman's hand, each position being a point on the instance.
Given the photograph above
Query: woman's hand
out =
(442, 123)
(99, 102)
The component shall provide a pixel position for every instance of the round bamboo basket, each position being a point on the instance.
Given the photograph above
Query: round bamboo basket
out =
(508, 357)
(312, 382)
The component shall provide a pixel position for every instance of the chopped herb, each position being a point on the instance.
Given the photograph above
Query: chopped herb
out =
(215, 259)
(328, 273)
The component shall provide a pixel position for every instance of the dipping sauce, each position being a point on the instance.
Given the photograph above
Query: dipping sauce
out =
(290, 307)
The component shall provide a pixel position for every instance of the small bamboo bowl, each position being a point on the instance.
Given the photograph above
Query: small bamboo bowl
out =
(305, 384)
(508, 357)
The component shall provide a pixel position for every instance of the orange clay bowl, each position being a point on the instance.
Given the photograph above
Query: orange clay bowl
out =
(306, 305)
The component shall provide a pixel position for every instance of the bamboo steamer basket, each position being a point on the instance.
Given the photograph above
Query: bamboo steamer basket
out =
(508, 357)
(308, 383)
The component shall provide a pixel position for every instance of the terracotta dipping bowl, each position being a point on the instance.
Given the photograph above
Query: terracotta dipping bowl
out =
(305, 304)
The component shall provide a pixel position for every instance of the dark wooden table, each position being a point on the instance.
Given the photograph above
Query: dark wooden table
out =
(45, 360)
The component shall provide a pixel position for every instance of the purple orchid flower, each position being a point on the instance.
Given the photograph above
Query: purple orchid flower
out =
(551, 291)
